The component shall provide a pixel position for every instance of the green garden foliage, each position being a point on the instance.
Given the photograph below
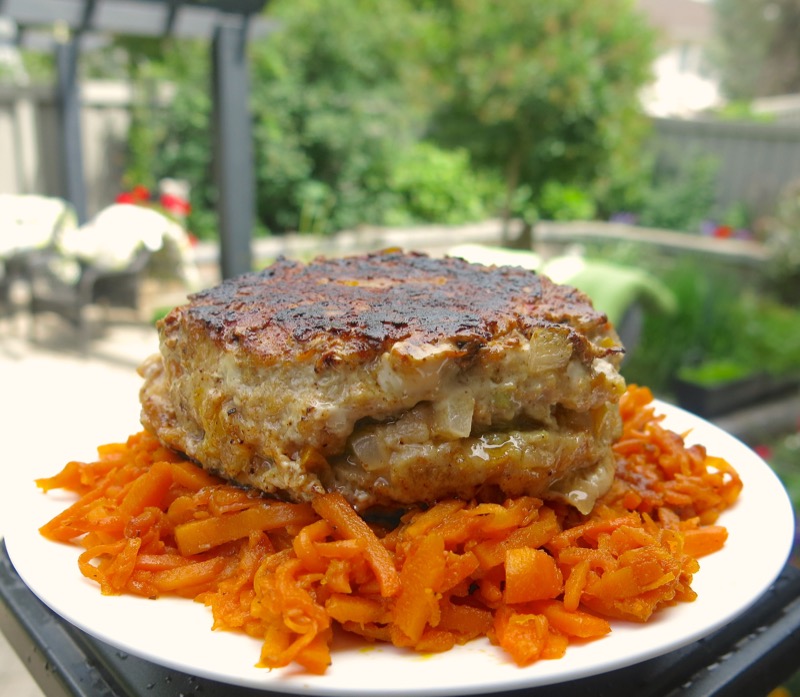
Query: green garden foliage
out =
(333, 108)
(434, 184)
(544, 91)
(681, 194)
(367, 112)
(719, 330)
(174, 140)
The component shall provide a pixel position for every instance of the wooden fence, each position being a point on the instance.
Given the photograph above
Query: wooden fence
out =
(755, 161)
(31, 156)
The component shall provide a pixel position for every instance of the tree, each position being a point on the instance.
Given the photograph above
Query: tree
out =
(543, 90)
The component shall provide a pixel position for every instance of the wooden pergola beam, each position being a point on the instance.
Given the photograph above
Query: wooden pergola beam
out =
(71, 141)
(184, 18)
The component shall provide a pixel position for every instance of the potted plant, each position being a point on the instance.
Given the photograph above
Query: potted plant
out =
(715, 387)
(759, 360)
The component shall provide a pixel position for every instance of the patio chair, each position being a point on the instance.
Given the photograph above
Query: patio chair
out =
(6, 308)
(103, 262)
(29, 222)
(69, 286)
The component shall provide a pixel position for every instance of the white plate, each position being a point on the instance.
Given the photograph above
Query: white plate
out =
(177, 633)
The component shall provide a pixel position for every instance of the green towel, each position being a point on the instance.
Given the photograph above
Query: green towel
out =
(612, 287)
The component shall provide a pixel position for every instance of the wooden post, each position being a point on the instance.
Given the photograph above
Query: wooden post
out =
(69, 108)
(233, 149)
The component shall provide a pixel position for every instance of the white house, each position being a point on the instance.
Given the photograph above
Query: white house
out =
(683, 84)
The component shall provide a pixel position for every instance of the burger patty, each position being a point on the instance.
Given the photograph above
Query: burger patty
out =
(394, 378)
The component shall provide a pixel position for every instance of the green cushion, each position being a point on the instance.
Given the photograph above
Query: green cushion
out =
(613, 288)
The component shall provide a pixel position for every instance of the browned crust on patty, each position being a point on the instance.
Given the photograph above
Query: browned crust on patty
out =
(355, 308)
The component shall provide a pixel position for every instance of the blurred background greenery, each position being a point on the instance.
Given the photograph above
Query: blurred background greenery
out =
(412, 111)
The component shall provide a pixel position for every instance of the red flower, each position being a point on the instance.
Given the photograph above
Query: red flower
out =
(139, 194)
(763, 451)
(723, 231)
(175, 204)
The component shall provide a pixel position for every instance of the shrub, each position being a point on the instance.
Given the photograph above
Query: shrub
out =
(564, 202)
(681, 194)
(432, 184)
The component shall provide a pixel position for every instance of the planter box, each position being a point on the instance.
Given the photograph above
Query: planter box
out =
(722, 398)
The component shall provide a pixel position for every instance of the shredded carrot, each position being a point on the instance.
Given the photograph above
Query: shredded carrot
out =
(346, 523)
(530, 575)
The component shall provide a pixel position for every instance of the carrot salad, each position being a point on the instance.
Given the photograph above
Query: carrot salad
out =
(530, 575)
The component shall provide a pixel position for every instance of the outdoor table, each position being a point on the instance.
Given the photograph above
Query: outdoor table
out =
(750, 656)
